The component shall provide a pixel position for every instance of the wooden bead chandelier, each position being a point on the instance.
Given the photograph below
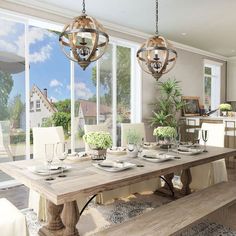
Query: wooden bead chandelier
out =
(156, 56)
(84, 40)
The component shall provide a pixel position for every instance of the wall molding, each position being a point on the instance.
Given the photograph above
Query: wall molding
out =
(63, 15)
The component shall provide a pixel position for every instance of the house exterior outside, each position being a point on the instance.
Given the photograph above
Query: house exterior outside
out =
(88, 112)
(41, 107)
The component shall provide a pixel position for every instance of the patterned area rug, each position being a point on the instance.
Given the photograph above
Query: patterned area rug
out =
(98, 217)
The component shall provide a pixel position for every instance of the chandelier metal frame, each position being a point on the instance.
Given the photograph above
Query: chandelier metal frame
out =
(156, 56)
(85, 37)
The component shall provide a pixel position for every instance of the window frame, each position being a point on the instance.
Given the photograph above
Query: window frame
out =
(215, 75)
(135, 87)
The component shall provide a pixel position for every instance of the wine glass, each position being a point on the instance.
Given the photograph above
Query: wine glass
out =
(205, 138)
(49, 154)
(62, 152)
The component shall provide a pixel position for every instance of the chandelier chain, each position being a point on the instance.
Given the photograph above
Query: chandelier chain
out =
(83, 5)
(157, 13)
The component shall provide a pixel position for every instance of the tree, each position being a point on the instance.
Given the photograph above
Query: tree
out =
(61, 119)
(6, 84)
(65, 106)
(123, 79)
(16, 108)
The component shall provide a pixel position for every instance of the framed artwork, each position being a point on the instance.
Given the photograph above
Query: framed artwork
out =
(192, 107)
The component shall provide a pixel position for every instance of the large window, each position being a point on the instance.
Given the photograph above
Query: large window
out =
(12, 92)
(212, 75)
(49, 80)
(41, 87)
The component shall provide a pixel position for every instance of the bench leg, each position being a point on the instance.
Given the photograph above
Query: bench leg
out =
(186, 179)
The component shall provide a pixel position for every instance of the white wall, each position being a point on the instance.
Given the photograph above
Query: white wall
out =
(189, 71)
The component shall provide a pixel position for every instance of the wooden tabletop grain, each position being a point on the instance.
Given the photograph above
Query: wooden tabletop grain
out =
(86, 179)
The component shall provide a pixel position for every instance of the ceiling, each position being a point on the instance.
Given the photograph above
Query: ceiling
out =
(205, 24)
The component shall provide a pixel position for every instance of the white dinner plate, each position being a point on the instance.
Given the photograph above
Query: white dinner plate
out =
(43, 170)
(189, 151)
(114, 166)
(117, 150)
(158, 158)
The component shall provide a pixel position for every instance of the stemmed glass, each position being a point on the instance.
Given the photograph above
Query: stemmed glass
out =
(49, 154)
(205, 138)
(62, 152)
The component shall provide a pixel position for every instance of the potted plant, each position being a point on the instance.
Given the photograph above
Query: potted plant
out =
(225, 108)
(165, 135)
(98, 143)
(168, 105)
(133, 139)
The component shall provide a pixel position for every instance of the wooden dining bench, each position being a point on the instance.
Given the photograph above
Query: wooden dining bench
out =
(175, 217)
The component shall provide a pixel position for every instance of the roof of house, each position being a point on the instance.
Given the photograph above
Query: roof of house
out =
(45, 100)
(90, 108)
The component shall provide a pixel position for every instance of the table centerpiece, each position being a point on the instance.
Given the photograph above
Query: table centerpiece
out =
(98, 143)
(225, 108)
(165, 135)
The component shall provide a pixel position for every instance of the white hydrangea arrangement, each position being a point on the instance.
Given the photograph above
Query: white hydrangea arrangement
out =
(165, 132)
(98, 140)
(225, 107)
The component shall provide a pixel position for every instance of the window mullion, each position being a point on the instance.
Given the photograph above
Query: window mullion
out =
(72, 104)
(27, 91)
(98, 90)
(114, 94)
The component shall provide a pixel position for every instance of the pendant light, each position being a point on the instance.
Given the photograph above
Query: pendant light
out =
(156, 56)
(84, 40)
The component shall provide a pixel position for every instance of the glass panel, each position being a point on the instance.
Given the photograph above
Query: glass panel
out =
(49, 81)
(106, 89)
(207, 92)
(208, 70)
(12, 92)
(85, 102)
(123, 84)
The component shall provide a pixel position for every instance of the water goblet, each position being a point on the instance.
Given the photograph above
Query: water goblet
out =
(62, 153)
(49, 154)
(205, 138)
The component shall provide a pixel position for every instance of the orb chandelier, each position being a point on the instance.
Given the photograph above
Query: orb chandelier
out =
(156, 56)
(84, 40)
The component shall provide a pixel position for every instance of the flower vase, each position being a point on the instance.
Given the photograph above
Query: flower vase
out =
(132, 150)
(225, 113)
(165, 143)
(98, 154)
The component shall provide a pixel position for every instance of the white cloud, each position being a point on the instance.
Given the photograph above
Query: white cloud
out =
(38, 34)
(7, 46)
(58, 90)
(82, 91)
(53, 99)
(42, 55)
(7, 27)
(35, 35)
(55, 83)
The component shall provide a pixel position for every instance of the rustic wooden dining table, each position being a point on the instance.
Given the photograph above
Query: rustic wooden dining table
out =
(84, 178)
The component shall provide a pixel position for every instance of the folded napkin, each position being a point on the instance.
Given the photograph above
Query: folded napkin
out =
(150, 153)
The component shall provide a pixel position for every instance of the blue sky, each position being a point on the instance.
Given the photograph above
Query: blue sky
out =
(49, 67)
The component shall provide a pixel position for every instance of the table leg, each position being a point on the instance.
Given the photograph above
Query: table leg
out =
(54, 225)
(169, 178)
(70, 217)
(168, 186)
(186, 179)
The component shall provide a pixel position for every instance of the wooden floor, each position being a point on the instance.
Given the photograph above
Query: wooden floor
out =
(19, 195)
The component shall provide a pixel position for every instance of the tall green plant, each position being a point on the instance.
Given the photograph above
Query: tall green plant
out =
(168, 104)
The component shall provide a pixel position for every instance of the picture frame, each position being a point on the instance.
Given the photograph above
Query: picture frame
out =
(192, 107)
